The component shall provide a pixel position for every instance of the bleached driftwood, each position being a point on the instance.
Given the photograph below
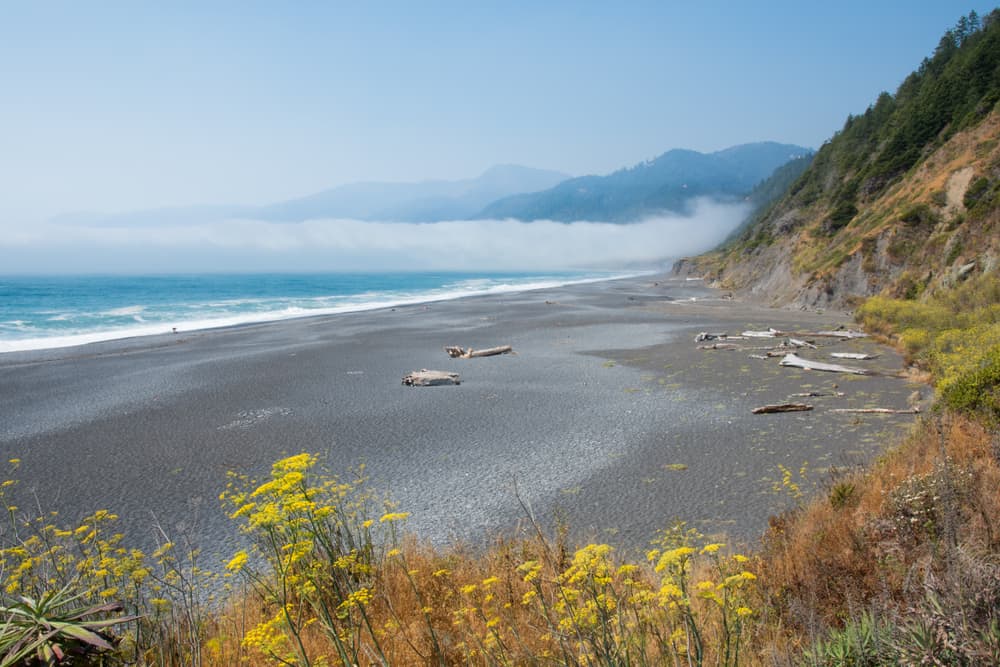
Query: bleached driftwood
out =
(426, 378)
(770, 333)
(719, 346)
(799, 362)
(816, 394)
(879, 411)
(782, 407)
(757, 356)
(861, 356)
(796, 342)
(469, 353)
(706, 336)
(841, 333)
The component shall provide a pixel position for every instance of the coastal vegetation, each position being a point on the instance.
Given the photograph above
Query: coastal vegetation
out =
(331, 577)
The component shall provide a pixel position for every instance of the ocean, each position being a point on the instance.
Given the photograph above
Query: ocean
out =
(39, 312)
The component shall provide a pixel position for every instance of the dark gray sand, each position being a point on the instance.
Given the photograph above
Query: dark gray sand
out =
(604, 402)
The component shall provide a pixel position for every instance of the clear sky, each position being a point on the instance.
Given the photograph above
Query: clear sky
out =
(110, 106)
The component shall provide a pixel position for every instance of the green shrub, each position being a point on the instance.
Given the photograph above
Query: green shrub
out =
(918, 215)
(975, 191)
(840, 216)
(976, 390)
(842, 495)
(863, 642)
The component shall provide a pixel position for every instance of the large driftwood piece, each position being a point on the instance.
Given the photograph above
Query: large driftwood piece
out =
(426, 378)
(770, 333)
(860, 356)
(469, 353)
(841, 333)
(879, 411)
(799, 362)
(782, 407)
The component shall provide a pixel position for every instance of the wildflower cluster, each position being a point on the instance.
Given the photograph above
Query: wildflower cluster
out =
(313, 559)
(326, 580)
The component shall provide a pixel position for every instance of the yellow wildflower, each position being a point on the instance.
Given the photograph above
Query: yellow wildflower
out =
(531, 570)
(238, 561)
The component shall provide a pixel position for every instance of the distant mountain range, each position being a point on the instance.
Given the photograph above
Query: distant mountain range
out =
(667, 184)
(427, 201)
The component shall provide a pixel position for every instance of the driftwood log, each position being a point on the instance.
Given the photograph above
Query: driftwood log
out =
(719, 346)
(860, 356)
(841, 333)
(782, 407)
(426, 378)
(469, 353)
(799, 362)
(817, 394)
(770, 333)
(703, 336)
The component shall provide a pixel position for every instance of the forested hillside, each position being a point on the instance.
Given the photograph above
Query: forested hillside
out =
(902, 200)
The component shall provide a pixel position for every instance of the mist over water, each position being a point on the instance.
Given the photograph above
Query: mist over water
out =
(351, 245)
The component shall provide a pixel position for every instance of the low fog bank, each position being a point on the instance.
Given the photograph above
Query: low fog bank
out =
(351, 245)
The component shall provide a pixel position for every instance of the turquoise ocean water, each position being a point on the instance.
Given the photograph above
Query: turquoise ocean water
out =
(38, 312)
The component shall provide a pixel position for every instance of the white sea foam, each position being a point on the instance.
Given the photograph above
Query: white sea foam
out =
(127, 310)
(372, 301)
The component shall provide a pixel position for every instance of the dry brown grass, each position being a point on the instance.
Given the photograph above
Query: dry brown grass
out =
(932, 497)
(458, 608)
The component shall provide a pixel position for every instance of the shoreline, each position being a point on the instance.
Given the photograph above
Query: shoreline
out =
(592, 419)
(173, 327)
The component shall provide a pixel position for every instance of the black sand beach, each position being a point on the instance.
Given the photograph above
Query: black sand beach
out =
(604, 402)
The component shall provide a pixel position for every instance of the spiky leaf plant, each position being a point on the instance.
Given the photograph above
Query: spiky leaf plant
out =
(55, 629)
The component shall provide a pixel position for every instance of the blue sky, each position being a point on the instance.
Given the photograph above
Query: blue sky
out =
(116, 106)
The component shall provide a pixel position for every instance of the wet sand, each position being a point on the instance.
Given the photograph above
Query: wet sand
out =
(608, 417)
